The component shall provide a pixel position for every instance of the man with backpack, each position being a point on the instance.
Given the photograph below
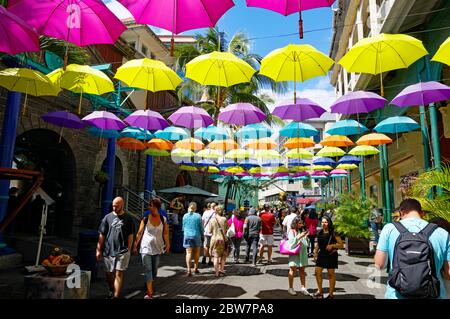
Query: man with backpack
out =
(418, 254)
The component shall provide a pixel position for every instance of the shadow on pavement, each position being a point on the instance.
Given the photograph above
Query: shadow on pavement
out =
(279, 294)
(341, 277)
(236, 270)
(364, 263)
(355, 296)
(206, 290)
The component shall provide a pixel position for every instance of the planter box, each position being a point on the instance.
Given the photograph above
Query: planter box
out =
(357, 246)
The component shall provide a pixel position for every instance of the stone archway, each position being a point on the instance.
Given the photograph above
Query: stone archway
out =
(44, 150)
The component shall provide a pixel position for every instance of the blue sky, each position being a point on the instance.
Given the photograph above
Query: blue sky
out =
(259, 23)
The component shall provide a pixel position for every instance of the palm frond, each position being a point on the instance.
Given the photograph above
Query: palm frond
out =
(75, 53)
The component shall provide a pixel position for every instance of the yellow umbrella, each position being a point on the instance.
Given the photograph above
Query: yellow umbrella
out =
(295, 62)
(374, 139)
(82, 79)
(255, 170)
(443, 54)
(188, 168)
(347, 167)
(27, 81)
(299, 153)
(223, 145)
(156, 152)
(190, 144)
(330, 152)
(238, 154)
(181, 152)
(267, 154)
(382, 53)
(299, 142)
(364, 150)
(322, 168)
(262, 144)
(299, 168)
(208, 153)
(336, 141)
(234, 169)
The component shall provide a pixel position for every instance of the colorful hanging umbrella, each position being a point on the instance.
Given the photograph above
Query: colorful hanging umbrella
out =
(211, 133)
(347, 127)
(382, 53)
(191, 117)
(349, 159)
(302, 110)
(396, 124)
(241, 114)
(148, 74)
(336, 141)
(190, 144)
(172, 133)
(247, 178)
(422, 93)
(104, 120)
(63, 119)
(103, 133)
(181, 153)
(82, 79)
(299, 153)
(205, 162)
(300, 174)
(338, 171)
(147, 120)
(261, 144)
(280, 174)
(243, 174)
(255, 170)
(347, 167)
(364, 150)
(219, 69)
(248, 163)
(324, 161)
(156, 152)
(223, 145)
(137, 133)
(299, 142)
(298, 162)
(208, 153)
(272, 164)
(358, 102)
(234, 170)
(188, 167)
(16, 36)
(254, 131)
(131, 144)
(159, 144)
(374, 139)
(227, 163)
(443, 54)
(322, 167)
(81, 22)
(299, 168)
(237, 154)
(296, 129)
(267, 154)
(330, 152)
(319, 173)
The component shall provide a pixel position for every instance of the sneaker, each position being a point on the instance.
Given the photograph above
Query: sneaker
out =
(304, 291)
(254, 265)
(292, 292)
(148, 297)
(204, 261)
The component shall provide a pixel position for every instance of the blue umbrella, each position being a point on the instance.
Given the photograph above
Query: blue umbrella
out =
(347, 127)
(227, 163)
(272, 164)
(297, 129)
(254, 131)
(265, 178)
(324, 161)
(103, 133)
(396, 124)
(301, 178)
(206, 162)
(211, 133)
(283, 178)
(248, 163)
(137, 133)
(172, 133)
(318, 177)
(298, 162)
(349, 159)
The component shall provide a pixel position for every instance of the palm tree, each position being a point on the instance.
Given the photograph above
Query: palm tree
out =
(213, 99)
(438, 205)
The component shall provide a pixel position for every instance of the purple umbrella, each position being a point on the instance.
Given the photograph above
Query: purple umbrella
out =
(191, 117)
(358, 102)
(279, 174)
(241, 114)
(422, 93)
(319, 173)
(82, 22)
(300, 174)
(147, 120)
(63, 119)
(104, 120)
(302, 110)
(16, 36)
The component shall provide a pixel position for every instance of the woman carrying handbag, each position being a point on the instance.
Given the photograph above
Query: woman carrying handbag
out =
(219, 248)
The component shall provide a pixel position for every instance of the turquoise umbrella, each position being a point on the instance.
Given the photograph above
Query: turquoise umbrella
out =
(137, 133)
(211, 133)
(347, 127)
(103, 133)
(396, 124)
(297, 129)
(172, 133)
(247, 178)
(254, 131)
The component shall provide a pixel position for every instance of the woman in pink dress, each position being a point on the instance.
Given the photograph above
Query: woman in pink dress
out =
(238, 221)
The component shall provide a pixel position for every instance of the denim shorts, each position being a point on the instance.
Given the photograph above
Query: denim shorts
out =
(192, 242)
(151, 264)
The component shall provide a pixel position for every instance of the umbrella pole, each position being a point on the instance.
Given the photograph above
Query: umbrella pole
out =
(79, 103)
(300, 21)
(26, 99)
(60, 134)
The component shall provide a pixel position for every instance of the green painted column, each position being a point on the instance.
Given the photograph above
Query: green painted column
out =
(340, 186)
(362, 178)
(382, 178)
(387, 189)
(334, 187)
(349, 182)
(424, 130)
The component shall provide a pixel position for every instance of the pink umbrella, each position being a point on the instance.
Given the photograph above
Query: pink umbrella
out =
(16, 36)
(302, 110)
(241, 114)
(148, 120)
(287, 7)
(191, 117)
(104, 120)
(82, 22)
(178, 15)
(338, 172)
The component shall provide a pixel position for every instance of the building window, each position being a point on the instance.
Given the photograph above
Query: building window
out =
(144, 50)
(132, 44)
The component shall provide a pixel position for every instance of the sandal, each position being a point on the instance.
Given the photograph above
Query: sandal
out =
(317, 295)
(196, 271)
(188, 274)
(330, 297)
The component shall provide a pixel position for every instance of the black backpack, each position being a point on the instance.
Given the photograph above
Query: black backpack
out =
(413, 272)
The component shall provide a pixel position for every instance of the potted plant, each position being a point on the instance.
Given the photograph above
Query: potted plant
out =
(351, 221)
(101, 177)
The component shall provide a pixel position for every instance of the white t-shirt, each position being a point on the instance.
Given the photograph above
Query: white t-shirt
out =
(287, 221)
(152, 241)
(206, 219)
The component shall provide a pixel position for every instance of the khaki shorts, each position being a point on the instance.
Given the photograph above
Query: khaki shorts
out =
(265, 240)
(117, 263)
(207, 241)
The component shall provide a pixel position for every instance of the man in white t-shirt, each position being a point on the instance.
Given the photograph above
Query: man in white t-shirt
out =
(206, 219)
(288, 220)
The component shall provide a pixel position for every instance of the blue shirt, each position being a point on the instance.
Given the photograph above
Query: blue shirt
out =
(192, 225)
(439, 240)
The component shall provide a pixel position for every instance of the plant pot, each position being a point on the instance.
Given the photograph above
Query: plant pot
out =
(357, 246)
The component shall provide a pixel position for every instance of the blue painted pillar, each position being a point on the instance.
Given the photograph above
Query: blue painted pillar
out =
(148, 182)
(7, 143)
(110, 169)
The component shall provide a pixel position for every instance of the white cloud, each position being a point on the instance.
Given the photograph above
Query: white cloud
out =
(118, 9)
(160, 31)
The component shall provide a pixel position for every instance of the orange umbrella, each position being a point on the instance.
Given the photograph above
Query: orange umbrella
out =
(262, 144)
(131, 144)
(159, 144)
(223, 145)
(299, 142)
(374, 139)
(336, 141)
(190, 144)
